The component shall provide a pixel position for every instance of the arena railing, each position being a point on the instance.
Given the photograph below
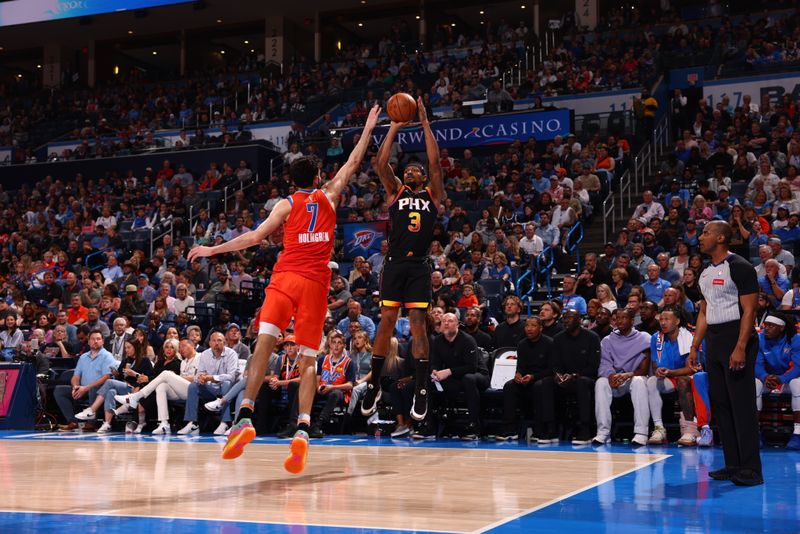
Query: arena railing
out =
(573, 241)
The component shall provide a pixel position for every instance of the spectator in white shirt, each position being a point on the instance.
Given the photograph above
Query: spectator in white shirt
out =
(293, 154)
(531, 243)
(183, 300)
(106, 220)
(649, 209)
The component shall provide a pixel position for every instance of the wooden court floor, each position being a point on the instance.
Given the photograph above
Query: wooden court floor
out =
(434, 489)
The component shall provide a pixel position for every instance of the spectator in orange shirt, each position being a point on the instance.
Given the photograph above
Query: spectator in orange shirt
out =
(468, 298)
(77, 314)
(209, 182)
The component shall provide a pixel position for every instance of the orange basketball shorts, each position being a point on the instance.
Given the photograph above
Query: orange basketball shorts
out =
(290, 295)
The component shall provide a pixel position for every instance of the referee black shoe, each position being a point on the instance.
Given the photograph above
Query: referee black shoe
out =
(747, 477)
(726, 473)
(370, 403)
(419, 406)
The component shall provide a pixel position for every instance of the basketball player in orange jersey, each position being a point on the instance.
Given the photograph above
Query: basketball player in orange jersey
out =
(406, 275)
(298, 287)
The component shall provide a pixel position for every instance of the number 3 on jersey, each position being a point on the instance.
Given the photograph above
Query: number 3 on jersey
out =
(414, 221)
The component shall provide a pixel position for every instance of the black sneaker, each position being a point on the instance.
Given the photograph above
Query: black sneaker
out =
(287, 432)
(508, 433)
(747, 477)
(583, 437)
(419, 406)
(315, 432)
(470, 433)
(424, 431)
(726, 473)
(370, 403)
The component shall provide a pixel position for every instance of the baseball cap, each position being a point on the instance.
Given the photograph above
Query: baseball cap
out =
(458, 240)
(233, 325)
(130, 288)
(333, 266)
(144, 276)
(648, 231)
(288, 339)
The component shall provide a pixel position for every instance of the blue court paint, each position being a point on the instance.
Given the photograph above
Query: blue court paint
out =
(669, 496)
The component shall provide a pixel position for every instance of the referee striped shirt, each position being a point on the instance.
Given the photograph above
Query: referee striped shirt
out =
(721, 285)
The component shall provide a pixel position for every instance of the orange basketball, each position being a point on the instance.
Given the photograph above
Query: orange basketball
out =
(402, 107)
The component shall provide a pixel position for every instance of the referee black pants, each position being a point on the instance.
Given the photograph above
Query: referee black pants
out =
(733, 396)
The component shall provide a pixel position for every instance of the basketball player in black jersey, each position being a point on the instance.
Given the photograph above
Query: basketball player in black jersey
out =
(406, 276)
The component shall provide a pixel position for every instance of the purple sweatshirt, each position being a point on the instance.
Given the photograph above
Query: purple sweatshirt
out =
(622, 354)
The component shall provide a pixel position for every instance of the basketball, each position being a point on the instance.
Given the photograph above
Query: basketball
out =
(402, 107)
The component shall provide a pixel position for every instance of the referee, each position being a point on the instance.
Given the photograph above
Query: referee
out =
(729, 290)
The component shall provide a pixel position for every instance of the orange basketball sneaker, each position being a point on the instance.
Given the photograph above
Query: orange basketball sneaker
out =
(298, 452)
(241, 434)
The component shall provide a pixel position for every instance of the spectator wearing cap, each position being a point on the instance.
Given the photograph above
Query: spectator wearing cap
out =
(649, 209)
(128, 273)
(651, 247)
(334, 267)
(354, 314)
(640, 261)
(233, 340)
(458, 252)
(132, 304)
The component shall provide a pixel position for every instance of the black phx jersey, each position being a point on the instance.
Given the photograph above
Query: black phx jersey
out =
(411, 216)
(406, 276)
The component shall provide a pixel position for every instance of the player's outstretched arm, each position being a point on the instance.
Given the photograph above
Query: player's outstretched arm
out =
(434, 162)
(390, 182)
(276, 218)
(333, 189)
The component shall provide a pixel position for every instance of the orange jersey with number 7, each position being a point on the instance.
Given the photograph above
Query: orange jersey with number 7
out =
(308, 235)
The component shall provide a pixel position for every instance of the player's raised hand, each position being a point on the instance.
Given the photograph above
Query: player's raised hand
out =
(199, 252)
(372, 119)
(423, 113)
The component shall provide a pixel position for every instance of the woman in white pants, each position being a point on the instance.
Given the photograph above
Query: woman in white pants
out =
(167, 385)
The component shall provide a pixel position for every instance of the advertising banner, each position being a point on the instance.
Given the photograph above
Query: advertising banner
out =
(27, 11)
(363, 239)
(479, 131)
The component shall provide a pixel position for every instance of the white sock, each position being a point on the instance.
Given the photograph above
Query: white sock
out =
(797, 428)
(705, 426)
(658, 423)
